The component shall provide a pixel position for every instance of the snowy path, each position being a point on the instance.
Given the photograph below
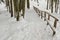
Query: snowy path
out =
(29, 28)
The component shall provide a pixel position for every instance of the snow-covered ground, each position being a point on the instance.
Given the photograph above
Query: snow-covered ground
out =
(29, 28)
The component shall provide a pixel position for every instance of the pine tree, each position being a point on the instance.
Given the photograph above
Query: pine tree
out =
(19, 5)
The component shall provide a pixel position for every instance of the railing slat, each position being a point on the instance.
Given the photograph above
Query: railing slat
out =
(41, 14)
(44, 16)
(48, 17)
(55, 23)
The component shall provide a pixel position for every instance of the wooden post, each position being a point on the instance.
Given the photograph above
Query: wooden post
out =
(36, 10)
(48, 17)
(47, 21)
(44, 16)
(55, 23)
(41, 14)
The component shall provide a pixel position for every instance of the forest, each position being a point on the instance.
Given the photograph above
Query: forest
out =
(29, 19)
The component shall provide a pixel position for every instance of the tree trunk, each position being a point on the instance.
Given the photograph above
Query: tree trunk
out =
(17, 16)
(47, 4)
(11, 8)
(51, 6)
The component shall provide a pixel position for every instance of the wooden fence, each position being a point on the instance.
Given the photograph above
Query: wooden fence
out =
(44, 14)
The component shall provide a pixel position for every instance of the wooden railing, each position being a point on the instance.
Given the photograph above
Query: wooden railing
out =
(44, 14)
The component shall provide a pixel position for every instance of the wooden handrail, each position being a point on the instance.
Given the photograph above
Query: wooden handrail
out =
(46, 13)
(46, 19)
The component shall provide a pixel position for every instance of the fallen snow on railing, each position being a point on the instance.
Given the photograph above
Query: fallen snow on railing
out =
(44, 12)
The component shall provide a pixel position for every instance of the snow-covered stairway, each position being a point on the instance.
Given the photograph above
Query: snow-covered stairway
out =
(29, 28)
(34, 29)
